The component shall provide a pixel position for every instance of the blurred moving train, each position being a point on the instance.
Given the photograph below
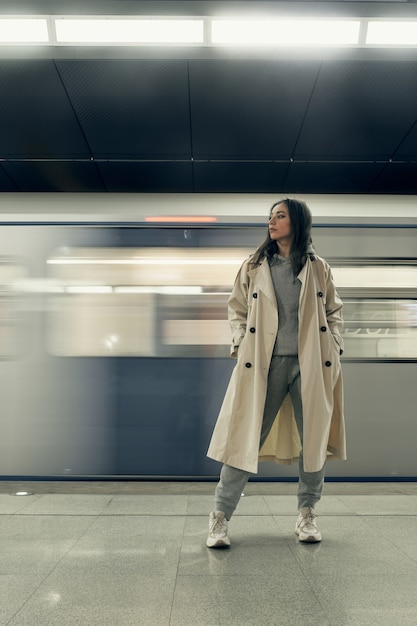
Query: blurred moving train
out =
(115, 342)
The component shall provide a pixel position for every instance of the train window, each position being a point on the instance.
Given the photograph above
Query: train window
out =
(11, 273)
(172, 302)
(380, 329)
(141, 302)
(380, 310)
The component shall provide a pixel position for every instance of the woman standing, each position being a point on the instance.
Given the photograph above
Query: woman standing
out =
(284, 401)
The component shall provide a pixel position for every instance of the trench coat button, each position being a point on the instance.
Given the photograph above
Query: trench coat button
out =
(328, 363)
(252, 330)
(255, 295)
(323, 329)
(248, 365)
(320, 294)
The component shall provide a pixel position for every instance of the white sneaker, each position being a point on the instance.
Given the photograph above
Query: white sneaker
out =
(217, 537)
(306, 527)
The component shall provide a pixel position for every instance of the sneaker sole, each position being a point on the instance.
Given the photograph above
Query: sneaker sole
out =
(308, 538)
(220, 543)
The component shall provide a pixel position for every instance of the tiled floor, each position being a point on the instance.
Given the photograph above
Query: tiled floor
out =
(134, 554)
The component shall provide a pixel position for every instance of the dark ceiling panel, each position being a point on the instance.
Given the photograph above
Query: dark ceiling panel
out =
(208, 124)
(254, 177)
(397, 178)
(131, 108)
(331, 177)
(248, 109)
(408, 148)
(54, 176)
(147, 177)
(36, 118)
(359, 110)
(6, 184)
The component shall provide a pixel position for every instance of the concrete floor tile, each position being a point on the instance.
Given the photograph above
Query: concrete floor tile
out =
(10, 504)
(43, 527)
(147, 505)
(350, 557)
(141, 557)
(15, 590)
(63, 504)
(127, 527)
(97, 599)
(244, 601)
(282, 505)
(398, 530)
(258, 530)
(36, 558)
(362, 599)
(200, 505)
(138, 556)
(251, 505)
(272, 559)
(381, 505)
(332, 505)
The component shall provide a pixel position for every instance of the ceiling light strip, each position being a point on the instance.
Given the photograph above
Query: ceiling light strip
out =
(132, 31)
(285, 32)
(99, 30)
(27, 30)
(392, 33)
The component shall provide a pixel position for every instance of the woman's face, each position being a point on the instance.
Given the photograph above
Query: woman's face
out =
(279, 225)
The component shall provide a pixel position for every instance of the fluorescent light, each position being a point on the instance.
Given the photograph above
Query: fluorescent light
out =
(392, 33)
(164, 30)
(89, 289)
(144, 261)
(173, 290)
(90, 31)
(23, 30)
(181, 218)
(285, 32)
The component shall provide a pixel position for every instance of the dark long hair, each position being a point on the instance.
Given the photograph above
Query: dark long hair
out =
(300, 219)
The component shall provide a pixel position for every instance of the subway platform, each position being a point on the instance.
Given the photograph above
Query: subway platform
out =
(133, 553)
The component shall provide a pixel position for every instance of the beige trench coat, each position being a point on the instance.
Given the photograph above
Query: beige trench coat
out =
(253, 308)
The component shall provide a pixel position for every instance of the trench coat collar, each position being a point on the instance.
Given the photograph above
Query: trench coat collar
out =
(261, 276)
(304, 273)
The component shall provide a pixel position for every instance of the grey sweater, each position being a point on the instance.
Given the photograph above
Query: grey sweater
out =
(287, 291)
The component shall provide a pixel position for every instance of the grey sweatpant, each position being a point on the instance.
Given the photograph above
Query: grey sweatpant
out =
(283, 377)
